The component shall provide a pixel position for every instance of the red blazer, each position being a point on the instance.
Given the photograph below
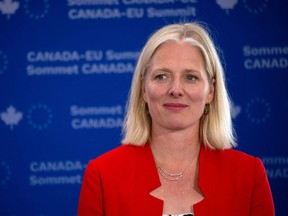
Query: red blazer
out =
(118, 183)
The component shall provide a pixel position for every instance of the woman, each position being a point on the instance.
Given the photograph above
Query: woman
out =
(177, 157)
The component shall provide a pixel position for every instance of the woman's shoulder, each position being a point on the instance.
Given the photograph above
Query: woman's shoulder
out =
(235, 154)
(232, 158)
(232, 163)
(123, 160)
(122, 154)
(228, 154)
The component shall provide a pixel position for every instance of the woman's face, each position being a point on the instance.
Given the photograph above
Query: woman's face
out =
(176, 87)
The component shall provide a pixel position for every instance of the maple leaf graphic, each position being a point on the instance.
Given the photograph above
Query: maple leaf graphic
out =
(227, 4)
(11, 117)
(8, 7)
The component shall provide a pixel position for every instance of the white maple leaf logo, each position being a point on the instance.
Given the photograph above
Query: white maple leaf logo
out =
(11, 117)
(227, 4)
(8, 7)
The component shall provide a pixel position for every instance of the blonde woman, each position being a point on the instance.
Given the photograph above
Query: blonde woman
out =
(177, 156)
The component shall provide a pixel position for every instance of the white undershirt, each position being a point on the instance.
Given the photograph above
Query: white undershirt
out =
(178, 214)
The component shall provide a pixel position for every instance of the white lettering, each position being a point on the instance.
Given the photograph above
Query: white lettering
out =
(91, 55)
(107, 68)
(56, 166)
(180, 12)
(125, 55)
(264, 51)
(277, 173)
(55, 180)
(84, 111)
(105, 13)
(266, 63)
(134, 13)
(52, 70)
(90, 123)
(275, 160)
(57, 56)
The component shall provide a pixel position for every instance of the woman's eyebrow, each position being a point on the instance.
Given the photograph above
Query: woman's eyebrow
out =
(188, 70)
(163, 69)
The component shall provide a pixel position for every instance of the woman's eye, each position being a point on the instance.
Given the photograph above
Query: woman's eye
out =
(160, 77)
(191, 77)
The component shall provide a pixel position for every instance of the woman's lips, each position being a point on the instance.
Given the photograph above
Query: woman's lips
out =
(175, 106)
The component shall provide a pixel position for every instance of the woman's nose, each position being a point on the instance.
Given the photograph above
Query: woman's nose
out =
(176, 88)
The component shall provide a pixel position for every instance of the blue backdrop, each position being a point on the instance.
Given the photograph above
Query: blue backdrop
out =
(65, 73)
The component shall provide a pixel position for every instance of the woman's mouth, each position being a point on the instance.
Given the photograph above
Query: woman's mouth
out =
(175, 106)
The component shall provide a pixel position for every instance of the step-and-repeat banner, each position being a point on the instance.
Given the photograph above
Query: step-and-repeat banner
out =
(65, 73)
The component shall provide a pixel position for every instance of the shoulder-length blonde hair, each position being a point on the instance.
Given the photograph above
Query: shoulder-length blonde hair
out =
(216, 129)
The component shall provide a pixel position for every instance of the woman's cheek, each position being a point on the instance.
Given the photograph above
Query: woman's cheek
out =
(154, 93)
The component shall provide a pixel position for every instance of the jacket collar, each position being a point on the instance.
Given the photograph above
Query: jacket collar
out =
(149, 180)
(206, 168)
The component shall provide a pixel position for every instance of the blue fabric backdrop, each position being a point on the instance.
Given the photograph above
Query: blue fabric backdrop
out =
(65, 73)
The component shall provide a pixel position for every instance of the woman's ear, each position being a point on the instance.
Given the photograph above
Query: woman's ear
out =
(211, 92)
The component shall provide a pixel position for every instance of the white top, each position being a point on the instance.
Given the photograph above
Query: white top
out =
(185, 214)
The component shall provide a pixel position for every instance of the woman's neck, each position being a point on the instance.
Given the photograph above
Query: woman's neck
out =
(171, 147)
